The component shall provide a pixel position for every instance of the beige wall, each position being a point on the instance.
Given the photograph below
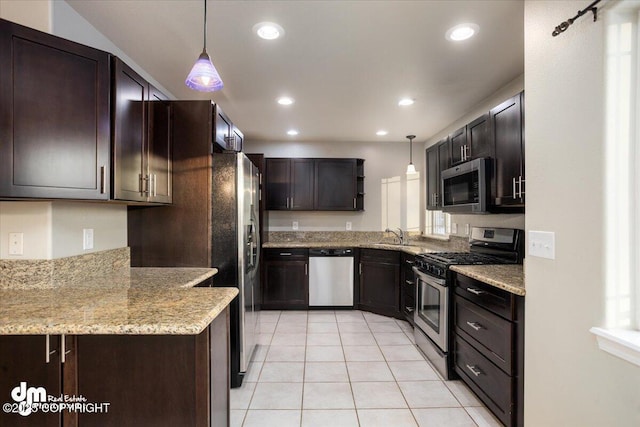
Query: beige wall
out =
(382, 160)
(568, 381)
(32, 13)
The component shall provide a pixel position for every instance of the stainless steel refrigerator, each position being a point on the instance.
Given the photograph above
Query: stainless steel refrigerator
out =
(236, 249)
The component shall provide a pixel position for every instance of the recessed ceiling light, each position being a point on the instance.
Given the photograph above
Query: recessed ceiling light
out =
(461, 32)
(292, 132)
(268, 30)
(382, 133)
(406, 101)
(285, 100)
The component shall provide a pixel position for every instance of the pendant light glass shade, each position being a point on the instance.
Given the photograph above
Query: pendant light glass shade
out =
(411, 169)
(203, 76)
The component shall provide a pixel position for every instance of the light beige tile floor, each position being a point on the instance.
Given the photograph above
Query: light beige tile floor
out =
(347, 368)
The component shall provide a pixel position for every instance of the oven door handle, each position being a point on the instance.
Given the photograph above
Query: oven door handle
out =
(430, 280)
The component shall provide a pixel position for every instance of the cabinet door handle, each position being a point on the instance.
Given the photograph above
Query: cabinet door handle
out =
(475, 325)
(306, 269)
(475, 371)
(462, 152)
(408, 282)
(514, 187)
(103, 179)
(476, 291)
(155, 185)
(285, 254)
(360, 269)
(47, 348)
(63, 350)
(520, 181)
(354, 203)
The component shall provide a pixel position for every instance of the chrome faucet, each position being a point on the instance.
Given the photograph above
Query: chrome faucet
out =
(399, 234)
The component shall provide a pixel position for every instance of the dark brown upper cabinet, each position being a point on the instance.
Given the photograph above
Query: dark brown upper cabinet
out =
(314, 184)
(54, 117)
(507, 124)
(141, 138)
(471, 141)
(438, 159)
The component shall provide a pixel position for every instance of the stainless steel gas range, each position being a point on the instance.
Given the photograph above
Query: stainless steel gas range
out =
(434, 315)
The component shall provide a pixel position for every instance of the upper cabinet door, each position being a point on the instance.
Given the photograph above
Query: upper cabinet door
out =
(459, 146)
(433, 177)
(506, 121)
(223, 129)
(130, 182)
(160, 148)
(336, 184)
(302, 184)
(54, 117)
(479, 138)
(277, 183)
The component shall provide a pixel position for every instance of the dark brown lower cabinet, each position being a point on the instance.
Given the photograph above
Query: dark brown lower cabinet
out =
(379, 285)
(147, 380)
(286, 279)
(489, 346)
(408, 287)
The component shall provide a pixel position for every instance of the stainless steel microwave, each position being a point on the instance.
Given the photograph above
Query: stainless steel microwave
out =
(465, 187)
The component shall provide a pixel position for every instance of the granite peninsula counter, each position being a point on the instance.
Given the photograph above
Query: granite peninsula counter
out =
(135, 301)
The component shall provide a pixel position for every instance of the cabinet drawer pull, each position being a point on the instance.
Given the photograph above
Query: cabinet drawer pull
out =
(475, 325)
(408, 282)
(476, 291)
(409, 309)
(408, 262)
(285, 254)
(475, 371)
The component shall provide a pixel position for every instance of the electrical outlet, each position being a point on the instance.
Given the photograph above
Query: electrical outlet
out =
(348, 226)
(542, 244)
(294, 226)
(454, 228)
(16, 243)
(87, 238)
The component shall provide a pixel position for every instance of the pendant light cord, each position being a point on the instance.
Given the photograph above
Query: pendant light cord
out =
(205, 26)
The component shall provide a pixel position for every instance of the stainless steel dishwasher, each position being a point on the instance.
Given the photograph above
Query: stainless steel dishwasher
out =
(331, 277)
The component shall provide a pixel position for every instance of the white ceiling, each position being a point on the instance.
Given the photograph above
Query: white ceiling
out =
(346, 63)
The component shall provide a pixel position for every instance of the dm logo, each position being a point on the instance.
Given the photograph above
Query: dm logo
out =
(26, 397)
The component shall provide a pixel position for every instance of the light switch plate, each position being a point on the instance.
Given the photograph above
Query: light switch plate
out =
(348, 227)
(454, 228)
(542, 244)
(294, 226)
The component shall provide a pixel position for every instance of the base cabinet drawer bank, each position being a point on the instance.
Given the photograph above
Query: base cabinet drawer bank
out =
(130, 380)
(489, 346)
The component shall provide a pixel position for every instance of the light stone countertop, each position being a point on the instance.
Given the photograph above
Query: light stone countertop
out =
(136, 301)
(509, 277)
(410, 249)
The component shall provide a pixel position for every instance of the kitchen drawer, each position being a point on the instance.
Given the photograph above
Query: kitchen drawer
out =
(286, 253)
(408, 261)
(380, 255)
(493, 386)
(490, 334)
(493, 299)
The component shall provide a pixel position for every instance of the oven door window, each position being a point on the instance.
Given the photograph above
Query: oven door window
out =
(462, 189)
(429, 306)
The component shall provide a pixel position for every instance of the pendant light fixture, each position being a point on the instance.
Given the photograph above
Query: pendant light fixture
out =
(411, 169)
(203, 76)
